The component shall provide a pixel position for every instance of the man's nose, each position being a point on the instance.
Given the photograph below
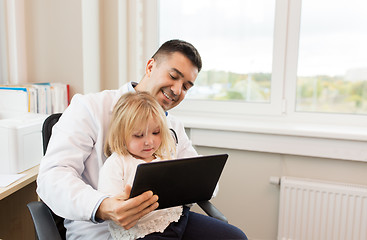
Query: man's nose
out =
(176, 88)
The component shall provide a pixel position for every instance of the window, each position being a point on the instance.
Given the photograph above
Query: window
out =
(332, 61)
(278, 58)
(235, 39)
(236, 45)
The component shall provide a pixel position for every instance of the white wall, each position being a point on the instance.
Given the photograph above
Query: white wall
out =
(90, 45)
(59, 41)
(250, 202)
(54, 42)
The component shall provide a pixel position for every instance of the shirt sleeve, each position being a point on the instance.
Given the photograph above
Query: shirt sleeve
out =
(65, 176)
(93, 217)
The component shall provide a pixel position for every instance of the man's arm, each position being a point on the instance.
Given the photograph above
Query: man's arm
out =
(69, 169)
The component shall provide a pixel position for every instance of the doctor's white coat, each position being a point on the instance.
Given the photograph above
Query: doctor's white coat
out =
(68, 175)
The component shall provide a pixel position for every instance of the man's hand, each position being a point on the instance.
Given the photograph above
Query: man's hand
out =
(124, 211)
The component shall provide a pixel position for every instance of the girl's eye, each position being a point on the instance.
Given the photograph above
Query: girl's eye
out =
(156, 133)
(138, 135)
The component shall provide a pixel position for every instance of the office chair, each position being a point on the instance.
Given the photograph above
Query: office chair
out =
(48, 225)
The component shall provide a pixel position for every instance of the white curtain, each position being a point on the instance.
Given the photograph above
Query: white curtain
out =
(13, 59)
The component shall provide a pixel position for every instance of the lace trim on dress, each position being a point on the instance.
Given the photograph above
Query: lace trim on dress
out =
(143, 228)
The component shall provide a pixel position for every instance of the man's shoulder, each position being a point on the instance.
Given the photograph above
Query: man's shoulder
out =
(171, 117)
(104, 98)
(93, 106)
(174, 121)
(103, 95)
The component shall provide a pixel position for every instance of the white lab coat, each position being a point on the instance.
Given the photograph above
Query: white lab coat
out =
(68, 175)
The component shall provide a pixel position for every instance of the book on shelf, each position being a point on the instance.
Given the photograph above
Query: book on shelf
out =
(45, 98)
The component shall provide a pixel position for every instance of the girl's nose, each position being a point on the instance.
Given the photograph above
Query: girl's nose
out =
(148, 141)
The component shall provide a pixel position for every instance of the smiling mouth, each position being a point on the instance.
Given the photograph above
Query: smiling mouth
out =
(167, 96)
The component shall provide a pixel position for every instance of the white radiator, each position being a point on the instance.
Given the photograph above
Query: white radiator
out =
(315, 210)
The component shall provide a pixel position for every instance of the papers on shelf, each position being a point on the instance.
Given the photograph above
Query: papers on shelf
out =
(7, 179)
(45, 98)
(15, 99)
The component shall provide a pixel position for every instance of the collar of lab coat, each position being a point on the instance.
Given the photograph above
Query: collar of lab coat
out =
(128, 87)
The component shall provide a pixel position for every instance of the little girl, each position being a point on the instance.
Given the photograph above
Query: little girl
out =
(138, 134)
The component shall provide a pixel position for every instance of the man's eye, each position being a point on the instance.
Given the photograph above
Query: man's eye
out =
(186, 86)
(173, 77)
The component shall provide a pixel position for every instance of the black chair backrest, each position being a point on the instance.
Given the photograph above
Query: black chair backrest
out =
(46, 134)
(47, 129)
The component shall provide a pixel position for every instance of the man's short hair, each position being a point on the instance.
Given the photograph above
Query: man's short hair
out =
(176, 45)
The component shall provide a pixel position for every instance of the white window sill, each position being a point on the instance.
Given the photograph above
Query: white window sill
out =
(275, 135)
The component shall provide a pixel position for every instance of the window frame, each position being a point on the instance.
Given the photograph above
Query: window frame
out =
(280, 130)
(290, 80)
(275, 105)
(284, 75)
(282, 103)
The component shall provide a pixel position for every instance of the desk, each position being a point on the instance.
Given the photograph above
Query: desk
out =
(15, 219)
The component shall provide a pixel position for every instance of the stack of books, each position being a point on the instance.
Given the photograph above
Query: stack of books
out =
(44, 98)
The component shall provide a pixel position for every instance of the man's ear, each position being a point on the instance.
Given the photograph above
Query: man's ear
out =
(149, 67)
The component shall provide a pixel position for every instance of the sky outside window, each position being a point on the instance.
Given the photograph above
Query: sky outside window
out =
(332, 62)
(235, 40)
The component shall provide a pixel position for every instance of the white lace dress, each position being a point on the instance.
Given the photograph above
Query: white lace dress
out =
(156, 221)
(118, 171)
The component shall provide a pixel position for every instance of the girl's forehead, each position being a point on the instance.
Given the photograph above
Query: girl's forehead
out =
(146, 125)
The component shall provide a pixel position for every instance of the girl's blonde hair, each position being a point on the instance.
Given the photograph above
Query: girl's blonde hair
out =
(132, 112)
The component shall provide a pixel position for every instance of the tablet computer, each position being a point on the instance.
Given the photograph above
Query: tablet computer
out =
(179, 181)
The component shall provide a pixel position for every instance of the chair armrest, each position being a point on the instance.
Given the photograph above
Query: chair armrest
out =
(212, 211)
(43, 221)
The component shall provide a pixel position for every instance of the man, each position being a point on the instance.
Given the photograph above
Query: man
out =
(69, 171)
